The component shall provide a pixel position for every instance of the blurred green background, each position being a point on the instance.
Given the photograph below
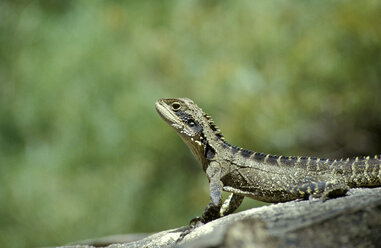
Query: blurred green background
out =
(83, 152)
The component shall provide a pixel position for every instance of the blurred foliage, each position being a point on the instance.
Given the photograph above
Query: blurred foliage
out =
(83, 152)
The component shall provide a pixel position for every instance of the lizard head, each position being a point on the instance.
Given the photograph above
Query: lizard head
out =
(183, 115)
(194, 126)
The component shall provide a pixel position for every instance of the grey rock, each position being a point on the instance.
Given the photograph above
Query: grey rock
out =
(350, 221)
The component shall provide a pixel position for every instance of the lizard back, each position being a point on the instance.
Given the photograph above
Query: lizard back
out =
(273, 178)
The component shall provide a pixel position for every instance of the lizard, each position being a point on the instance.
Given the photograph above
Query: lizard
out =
(263, 177)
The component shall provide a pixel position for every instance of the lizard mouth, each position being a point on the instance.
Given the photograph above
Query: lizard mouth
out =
(166, 113)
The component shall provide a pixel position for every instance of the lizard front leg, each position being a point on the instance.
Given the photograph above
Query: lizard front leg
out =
(216, 209)
(231, 204)
(212, 211)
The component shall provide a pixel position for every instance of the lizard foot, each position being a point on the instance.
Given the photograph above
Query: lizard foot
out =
(193, 224)
(320, 190)
(332, 192)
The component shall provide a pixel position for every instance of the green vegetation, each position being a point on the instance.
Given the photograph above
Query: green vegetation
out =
(82, 151)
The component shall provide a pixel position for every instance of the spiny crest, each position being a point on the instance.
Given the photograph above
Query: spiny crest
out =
(196, 108)
(214, 127)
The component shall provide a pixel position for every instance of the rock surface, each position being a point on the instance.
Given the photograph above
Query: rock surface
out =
(351, 221)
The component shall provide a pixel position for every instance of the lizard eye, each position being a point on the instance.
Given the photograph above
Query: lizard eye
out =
(176, 106)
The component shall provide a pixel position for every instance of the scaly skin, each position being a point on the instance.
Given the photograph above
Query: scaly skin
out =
(263, 177)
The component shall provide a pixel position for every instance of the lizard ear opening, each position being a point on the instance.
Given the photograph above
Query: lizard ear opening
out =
(191, 123)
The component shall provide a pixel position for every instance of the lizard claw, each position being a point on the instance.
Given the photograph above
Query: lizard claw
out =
(193, 224)
(196, 222)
